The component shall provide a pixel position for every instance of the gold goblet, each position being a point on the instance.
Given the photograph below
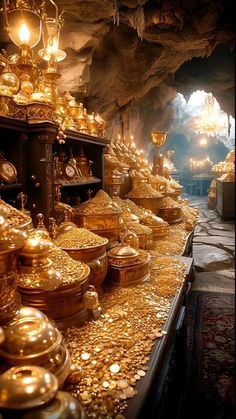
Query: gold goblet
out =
(158, 138)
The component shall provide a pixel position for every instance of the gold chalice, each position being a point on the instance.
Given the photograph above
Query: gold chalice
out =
(158, 138)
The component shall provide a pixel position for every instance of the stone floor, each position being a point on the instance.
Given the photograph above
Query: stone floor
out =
(213, 250)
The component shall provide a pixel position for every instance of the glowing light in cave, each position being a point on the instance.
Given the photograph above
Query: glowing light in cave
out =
(212, 120)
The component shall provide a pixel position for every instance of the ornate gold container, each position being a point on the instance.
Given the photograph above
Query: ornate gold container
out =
(128, 266)
(100, 215)
(113, 182)
(11, 240)
(34, 340)
(144, 234)
(110, 162)
(82, 163)
(85, 246)
(159, 227)
(40, 289)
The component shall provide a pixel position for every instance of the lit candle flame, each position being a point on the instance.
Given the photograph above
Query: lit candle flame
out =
(52, 46)
(24, 34)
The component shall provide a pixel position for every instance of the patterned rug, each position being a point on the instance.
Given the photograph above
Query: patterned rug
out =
(210, 358)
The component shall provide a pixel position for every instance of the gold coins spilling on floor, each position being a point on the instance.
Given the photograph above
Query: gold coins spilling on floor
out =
(112, 353)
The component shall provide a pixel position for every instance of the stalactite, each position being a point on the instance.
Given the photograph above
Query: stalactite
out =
(137, 21)
(116, 15)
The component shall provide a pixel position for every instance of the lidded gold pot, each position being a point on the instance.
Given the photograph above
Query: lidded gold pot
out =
(127, 266)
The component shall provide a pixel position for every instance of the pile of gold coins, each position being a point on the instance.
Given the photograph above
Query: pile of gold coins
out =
(112, 354)
(78, 238)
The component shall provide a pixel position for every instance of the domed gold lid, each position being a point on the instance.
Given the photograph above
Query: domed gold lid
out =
(29, 337)
(25, 311)
(26, 386)
(123, 252)
(36, 246)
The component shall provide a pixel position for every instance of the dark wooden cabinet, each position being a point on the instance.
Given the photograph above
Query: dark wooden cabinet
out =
(225, 203)
(31, 148)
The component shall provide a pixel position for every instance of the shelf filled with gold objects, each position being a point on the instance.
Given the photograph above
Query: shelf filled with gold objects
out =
(30, 149)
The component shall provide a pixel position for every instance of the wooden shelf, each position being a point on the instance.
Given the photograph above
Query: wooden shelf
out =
(12, 186)
(86, 182)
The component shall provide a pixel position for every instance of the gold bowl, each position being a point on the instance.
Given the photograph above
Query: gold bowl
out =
(26, 387)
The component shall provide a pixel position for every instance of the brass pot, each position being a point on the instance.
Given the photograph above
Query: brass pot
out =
(171, 215)
(68, 297)
(34, 340)
(95, 257)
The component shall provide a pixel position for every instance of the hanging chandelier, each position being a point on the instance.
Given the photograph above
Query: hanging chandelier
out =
(212, 121)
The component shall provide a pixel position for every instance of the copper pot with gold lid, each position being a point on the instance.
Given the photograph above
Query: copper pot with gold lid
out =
(128, 266)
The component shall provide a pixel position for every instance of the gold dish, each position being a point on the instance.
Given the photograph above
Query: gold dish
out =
(127, 266)
(26, 387)
(68, 297)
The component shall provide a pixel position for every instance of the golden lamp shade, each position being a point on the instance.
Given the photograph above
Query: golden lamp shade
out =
(158, 138)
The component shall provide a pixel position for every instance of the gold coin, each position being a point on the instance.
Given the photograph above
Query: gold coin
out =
(141, 373)
(105, 384)
(122, 384)
(137, 377)
(114, 368)
(112, 385)
(129, 392)
(85, 356)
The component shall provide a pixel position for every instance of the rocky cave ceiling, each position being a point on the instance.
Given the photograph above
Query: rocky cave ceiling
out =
(127, 53)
